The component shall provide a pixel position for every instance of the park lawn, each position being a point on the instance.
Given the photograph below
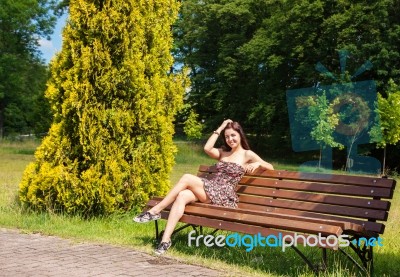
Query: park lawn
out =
(118, 229)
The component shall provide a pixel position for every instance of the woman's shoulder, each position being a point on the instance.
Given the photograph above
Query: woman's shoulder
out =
(249, 153)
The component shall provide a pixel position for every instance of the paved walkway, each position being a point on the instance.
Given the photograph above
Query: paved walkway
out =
(36, 255)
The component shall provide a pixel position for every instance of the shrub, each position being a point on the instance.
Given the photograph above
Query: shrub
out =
(110, 144)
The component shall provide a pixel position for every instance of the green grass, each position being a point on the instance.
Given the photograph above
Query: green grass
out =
(118, 229)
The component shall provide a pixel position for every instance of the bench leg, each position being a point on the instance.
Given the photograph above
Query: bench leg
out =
(312, 266)
(184, 227)
(315, 267)
(371, 265)
(365, 253)
(156, 227)
(160, 234)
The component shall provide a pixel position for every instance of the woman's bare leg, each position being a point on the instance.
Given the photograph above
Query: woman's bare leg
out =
(184, 197)
(187, 182)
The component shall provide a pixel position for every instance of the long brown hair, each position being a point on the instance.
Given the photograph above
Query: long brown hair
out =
(235, 126)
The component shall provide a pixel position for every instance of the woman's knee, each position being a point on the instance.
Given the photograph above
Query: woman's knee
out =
(191, 181)
(185, 196)
(186, 178)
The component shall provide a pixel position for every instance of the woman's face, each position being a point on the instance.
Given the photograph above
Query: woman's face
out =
(232, 138)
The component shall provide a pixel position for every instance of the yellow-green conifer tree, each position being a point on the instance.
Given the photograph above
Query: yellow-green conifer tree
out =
(114, 100)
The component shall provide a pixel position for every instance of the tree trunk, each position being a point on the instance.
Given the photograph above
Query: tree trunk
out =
(384, 162)
(1, 123)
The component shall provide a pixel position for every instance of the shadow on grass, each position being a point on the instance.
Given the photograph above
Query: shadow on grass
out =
(267, 260)
(273, 261)
(387, 264)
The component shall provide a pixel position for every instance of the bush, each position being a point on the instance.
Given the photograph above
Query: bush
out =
(110, 144)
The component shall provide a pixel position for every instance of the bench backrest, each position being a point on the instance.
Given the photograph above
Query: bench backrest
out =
(356, 199)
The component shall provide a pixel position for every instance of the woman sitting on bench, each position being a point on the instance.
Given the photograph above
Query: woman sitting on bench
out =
(234, 159)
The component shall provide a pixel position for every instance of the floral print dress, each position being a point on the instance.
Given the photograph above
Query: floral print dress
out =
(221, 187)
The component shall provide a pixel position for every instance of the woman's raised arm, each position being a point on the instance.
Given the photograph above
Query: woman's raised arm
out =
(209, 146)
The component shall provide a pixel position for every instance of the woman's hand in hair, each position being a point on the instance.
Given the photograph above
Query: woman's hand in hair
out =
(226, 122)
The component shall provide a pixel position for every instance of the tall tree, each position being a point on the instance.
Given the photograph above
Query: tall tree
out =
(317, 118)
(209, 36)
(22, 73)
(110, 145)
(389, 112)
(245, 54)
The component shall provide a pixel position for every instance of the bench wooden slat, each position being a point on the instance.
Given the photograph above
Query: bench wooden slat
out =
(345, 225)
(351, 190)
(316, 207)
(329, 178)
(241, 228)
(219, 209)
(294, 224)
(313, 197)
(375, 227)
(317, 177)
(320, 188)
(271, 222)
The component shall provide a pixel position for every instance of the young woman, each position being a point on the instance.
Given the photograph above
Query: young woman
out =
(234, 159)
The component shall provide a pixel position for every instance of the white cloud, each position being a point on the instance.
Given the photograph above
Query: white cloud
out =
(47, 48)
(50, 47)
(46, 44)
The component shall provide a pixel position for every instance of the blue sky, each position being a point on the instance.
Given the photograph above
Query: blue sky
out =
(50, 47)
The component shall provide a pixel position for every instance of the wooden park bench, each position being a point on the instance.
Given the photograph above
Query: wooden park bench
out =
(288, 203)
